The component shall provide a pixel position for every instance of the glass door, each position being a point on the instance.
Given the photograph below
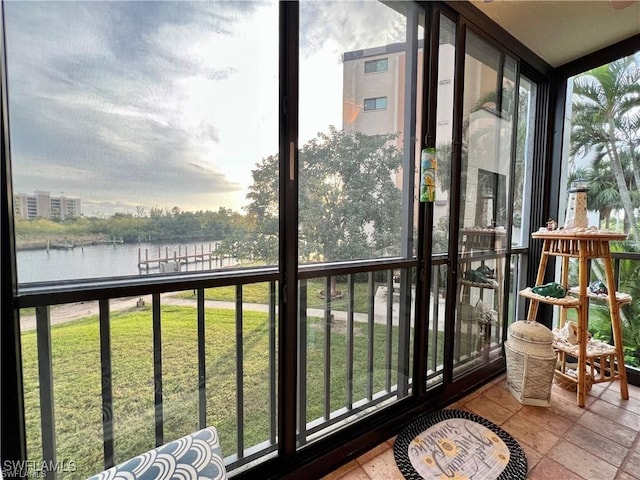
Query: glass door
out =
(483, 221)
(360, 88)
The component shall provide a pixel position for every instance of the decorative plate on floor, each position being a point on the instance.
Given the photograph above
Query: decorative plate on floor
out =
(458, 445)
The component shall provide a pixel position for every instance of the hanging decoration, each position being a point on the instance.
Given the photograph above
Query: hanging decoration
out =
(428, 169)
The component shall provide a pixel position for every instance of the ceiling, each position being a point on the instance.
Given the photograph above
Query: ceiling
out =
(565, 30)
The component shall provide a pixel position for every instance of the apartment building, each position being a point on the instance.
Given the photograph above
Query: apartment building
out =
(374, 89)
(41, 204)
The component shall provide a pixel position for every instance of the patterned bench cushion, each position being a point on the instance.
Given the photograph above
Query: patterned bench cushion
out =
(195, 456)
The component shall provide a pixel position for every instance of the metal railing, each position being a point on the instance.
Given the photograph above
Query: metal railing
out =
(374, 316)
(356, 321)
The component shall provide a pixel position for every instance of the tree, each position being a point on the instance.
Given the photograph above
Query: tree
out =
(264, 207)
(605, 98)
(603, 195)
(349, 204)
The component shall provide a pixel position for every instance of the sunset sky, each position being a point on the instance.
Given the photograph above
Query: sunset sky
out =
(167, 103)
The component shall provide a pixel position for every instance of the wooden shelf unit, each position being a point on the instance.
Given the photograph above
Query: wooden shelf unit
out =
(602, 365)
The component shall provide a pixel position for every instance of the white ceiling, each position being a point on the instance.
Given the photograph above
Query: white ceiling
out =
(562, 31)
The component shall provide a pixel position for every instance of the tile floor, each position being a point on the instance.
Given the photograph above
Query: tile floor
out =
(562, 442)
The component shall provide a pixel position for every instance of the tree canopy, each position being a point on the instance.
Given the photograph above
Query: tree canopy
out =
(605, 116)
(349, 204)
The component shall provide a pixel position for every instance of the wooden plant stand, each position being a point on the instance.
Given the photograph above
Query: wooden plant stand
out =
(605, 363)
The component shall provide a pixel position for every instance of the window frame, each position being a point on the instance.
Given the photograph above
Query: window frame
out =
(376, 64)
(375, 101)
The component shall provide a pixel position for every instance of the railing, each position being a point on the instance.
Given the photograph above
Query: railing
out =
(626, 266)
(379, 328)
(363, 341)
(354, 349)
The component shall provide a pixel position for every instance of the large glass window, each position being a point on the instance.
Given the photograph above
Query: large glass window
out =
(522, 177)
(379, 103)
(601, 144)
(488, 110)
(444, 131)
(523, 164)
(144, 140)
(357, 194)
(379, 65)
(353, 190)
(144, 136)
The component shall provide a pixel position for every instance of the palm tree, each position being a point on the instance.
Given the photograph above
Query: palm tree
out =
(603, 195)
(604, 100)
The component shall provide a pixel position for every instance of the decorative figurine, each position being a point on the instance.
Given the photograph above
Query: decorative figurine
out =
(577, 206)
(551, 289)
(598, 287)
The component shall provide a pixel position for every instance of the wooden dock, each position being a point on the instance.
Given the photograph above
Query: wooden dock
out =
(59, 245)
(167, 261)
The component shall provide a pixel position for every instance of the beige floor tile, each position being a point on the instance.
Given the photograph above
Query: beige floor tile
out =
(533, 457)
(597, 445)
(625, 436)
(626, 476)
(342, 471)
(547, 418)
(613, 397)
(548, 469)
(489, 409)
(633, 390)
(566, 409)
(632, 465)
(570, 396)
(383, 467)
(356, 474)
(582, 462)
(528, 432)
(598, 388)
(617, 414)
(503, 397)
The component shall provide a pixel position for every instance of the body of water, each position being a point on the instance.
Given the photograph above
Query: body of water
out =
(99, 261)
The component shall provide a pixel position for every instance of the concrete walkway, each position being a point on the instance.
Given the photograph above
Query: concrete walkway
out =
(73, 311)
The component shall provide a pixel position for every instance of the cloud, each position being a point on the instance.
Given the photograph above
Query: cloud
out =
(351, 25)
(168, 103)
(102, 100)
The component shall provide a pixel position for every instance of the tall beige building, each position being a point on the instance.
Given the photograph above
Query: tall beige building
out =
(374, 103)
(41, 204)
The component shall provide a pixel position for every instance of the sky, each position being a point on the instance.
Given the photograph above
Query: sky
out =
(162, 104)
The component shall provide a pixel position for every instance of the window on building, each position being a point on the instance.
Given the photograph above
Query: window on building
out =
(379, 65)
(378, 103)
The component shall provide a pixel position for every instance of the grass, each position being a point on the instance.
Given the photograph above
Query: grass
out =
(259, 293)
(77, 380)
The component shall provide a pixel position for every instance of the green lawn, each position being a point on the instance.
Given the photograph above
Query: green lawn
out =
(77, 379)
(259, 293)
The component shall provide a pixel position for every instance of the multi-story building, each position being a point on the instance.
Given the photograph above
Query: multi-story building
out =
(41, 204)
(374, 103)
